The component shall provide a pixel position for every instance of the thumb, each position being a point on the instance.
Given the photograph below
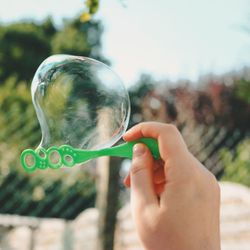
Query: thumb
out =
(142, 188)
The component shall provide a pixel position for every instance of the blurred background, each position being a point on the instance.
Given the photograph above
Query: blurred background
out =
(187, 63)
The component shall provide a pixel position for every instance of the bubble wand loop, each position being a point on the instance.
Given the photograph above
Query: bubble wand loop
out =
(69, 156)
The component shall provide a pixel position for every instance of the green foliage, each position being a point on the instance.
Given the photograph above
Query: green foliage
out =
(69, 41)
(23, 46)
(19, 129)
(77, 38)
(242, 89)
(92, 5)
(237, 165)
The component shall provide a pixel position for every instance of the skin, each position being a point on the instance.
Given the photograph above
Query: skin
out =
(176, 201)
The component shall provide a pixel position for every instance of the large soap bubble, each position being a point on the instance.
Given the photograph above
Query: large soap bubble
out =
(79, 102)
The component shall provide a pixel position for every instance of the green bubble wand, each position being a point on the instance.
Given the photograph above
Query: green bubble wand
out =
(68, 156)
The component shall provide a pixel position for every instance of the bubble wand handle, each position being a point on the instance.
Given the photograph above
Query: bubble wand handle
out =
(68, 156)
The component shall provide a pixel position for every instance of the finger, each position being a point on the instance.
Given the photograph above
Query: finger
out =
(159, 173)
(142, 189)
(144, 129)
(169, 138)
(159, 188)
(126, 181)
(158, 185)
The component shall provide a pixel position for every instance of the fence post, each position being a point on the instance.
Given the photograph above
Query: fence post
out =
(107, 201)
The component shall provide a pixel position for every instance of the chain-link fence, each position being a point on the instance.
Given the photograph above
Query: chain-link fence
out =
(65, 193)
(59, 194)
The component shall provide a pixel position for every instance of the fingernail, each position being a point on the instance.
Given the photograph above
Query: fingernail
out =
(138, 150)
(125, 182)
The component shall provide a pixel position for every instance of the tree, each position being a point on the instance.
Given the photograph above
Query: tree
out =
(23, 46)
(81, 39)
(237, 163)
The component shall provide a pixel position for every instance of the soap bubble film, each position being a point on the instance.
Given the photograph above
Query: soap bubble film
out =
(79, 102)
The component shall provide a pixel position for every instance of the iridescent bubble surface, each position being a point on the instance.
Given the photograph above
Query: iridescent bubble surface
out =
(79, 102)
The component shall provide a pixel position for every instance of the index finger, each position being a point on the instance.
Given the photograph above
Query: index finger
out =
(168, 136)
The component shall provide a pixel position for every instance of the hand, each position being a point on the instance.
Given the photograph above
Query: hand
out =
(176, 203)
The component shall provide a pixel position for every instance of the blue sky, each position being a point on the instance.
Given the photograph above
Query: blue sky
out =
(172, 39)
